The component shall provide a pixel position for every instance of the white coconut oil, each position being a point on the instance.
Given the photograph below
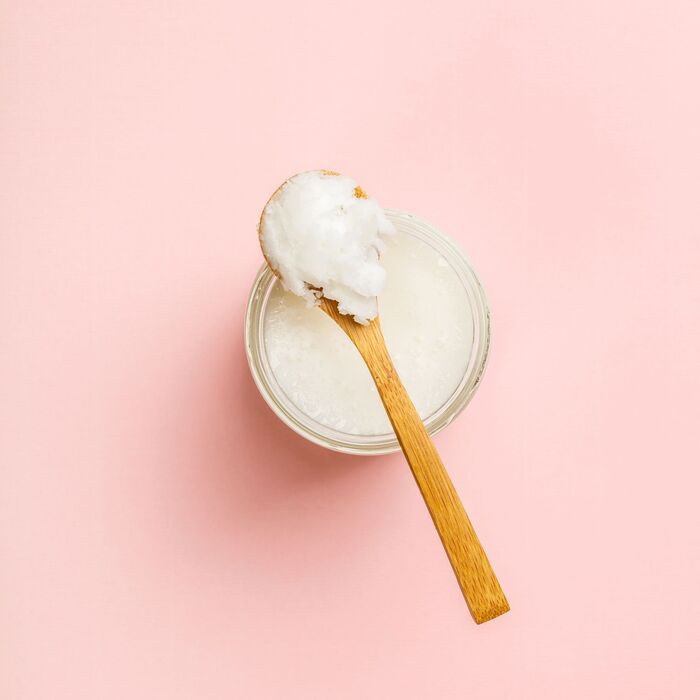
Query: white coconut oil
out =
(321, 233)
(427, 323)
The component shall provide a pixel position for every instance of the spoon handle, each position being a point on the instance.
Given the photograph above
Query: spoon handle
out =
(476, 578)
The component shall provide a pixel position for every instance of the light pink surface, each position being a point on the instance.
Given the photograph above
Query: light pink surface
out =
(163, 535)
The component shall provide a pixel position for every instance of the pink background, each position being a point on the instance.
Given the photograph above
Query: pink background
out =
(162, 534)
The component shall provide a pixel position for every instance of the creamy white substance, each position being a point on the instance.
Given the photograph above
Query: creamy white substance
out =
(320, 231)
(427, 324)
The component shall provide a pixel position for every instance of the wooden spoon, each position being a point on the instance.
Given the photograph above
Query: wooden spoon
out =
(475, 576)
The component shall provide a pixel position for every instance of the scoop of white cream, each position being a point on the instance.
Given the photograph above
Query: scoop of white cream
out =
(323, 236)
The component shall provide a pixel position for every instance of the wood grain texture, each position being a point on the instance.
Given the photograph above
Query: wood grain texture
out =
(476, 578)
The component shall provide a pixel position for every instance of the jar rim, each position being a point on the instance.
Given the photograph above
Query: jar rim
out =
(348, 443)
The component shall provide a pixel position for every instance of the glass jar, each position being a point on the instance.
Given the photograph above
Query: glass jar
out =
(372, 444)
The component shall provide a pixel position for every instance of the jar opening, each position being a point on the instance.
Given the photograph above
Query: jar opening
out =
(366, 444)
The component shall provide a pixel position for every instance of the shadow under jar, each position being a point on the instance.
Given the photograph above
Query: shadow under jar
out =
(436, 324)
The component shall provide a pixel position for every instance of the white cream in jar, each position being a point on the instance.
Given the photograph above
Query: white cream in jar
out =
(427, 324)
(436, 323)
